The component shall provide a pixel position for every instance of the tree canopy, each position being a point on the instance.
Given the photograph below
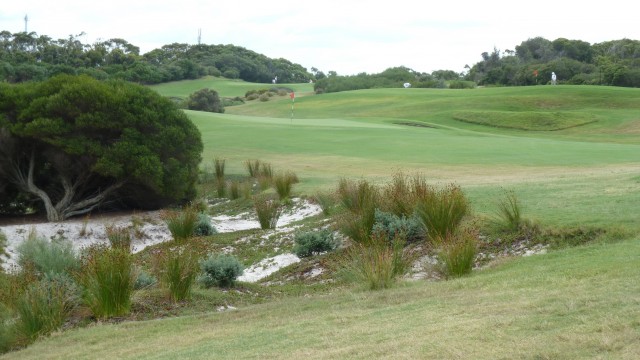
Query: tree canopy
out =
(73, 142)
(29, 56)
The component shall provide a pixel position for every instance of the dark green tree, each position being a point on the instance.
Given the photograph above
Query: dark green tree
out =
(73, 143)
(205, 100)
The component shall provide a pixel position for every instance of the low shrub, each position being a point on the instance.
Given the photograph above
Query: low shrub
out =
(144, 280)
(441, 211)
(457, 254)
(181, 224)
(118, 237)
(220, 270)
(108, 278)
(47, 257)
(179, 270)
(203, 226)
(377, 264)
(45, 306)
(311, 243)
(268, 211)
(252, 97)
(264, 97)
(390, 224)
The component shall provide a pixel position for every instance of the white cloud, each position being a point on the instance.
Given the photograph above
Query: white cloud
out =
(346, 36)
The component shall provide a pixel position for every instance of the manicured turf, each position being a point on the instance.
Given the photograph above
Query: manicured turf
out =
(224, 87)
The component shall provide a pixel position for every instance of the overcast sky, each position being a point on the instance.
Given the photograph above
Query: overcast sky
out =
(345, 36)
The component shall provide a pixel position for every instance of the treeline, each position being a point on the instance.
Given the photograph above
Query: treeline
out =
(390, 78)
(614, 63)
(29, 56)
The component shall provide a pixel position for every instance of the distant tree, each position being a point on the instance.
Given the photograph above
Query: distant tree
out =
(205, 100)
(73, 143)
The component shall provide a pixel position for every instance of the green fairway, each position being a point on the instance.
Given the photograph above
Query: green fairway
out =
(572, 304)
(224, 87)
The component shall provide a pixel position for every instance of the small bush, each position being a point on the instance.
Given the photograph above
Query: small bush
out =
(203, 226)
(181, 224)
(441, 211)
(268, 211)
(253, 167)
(144, 280)
(264, 97)
(47, 257)
(220, 270)
(45, 306)
(283, 182)
(458, 253)
(108, 278)
(252, 97)
(178, 273)
(118, 237)
(390, 224)
(377, 264)
(310, 243)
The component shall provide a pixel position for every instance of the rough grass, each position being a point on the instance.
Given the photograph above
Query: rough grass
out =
(577, 303)
(526, 120)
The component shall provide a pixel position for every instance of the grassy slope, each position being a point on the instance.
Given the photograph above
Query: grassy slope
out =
(570, 304)
(224, 87)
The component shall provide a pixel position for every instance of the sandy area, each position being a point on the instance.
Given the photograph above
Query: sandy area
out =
(152, 230)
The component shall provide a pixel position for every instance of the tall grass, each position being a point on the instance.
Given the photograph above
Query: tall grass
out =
(268, 211)
(118, 237)
(361, 200)
(253, 167)
(218, 164)
(181, 224)
(179, 270)
(441, 211)
(508, 214)
(326, 201)
(457, 254)
(47, 257)
(266, 170)
(45, 306)
(283, 183)
(3, 249)
(234, 189)
(108, 279)
(378, 263)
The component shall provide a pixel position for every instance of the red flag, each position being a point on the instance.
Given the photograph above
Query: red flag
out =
(535, 73)
(292, 95)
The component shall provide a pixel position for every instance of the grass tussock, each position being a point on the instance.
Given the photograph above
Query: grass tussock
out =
(508, 213)
(108, 279)
(457, 253)
(326, 200)
(442, 210)
(181, 224)
(283, 183)
(178, 272)
(218, 164)
(268, 211)
(118, 237)
(253, 167)
(378, 263)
